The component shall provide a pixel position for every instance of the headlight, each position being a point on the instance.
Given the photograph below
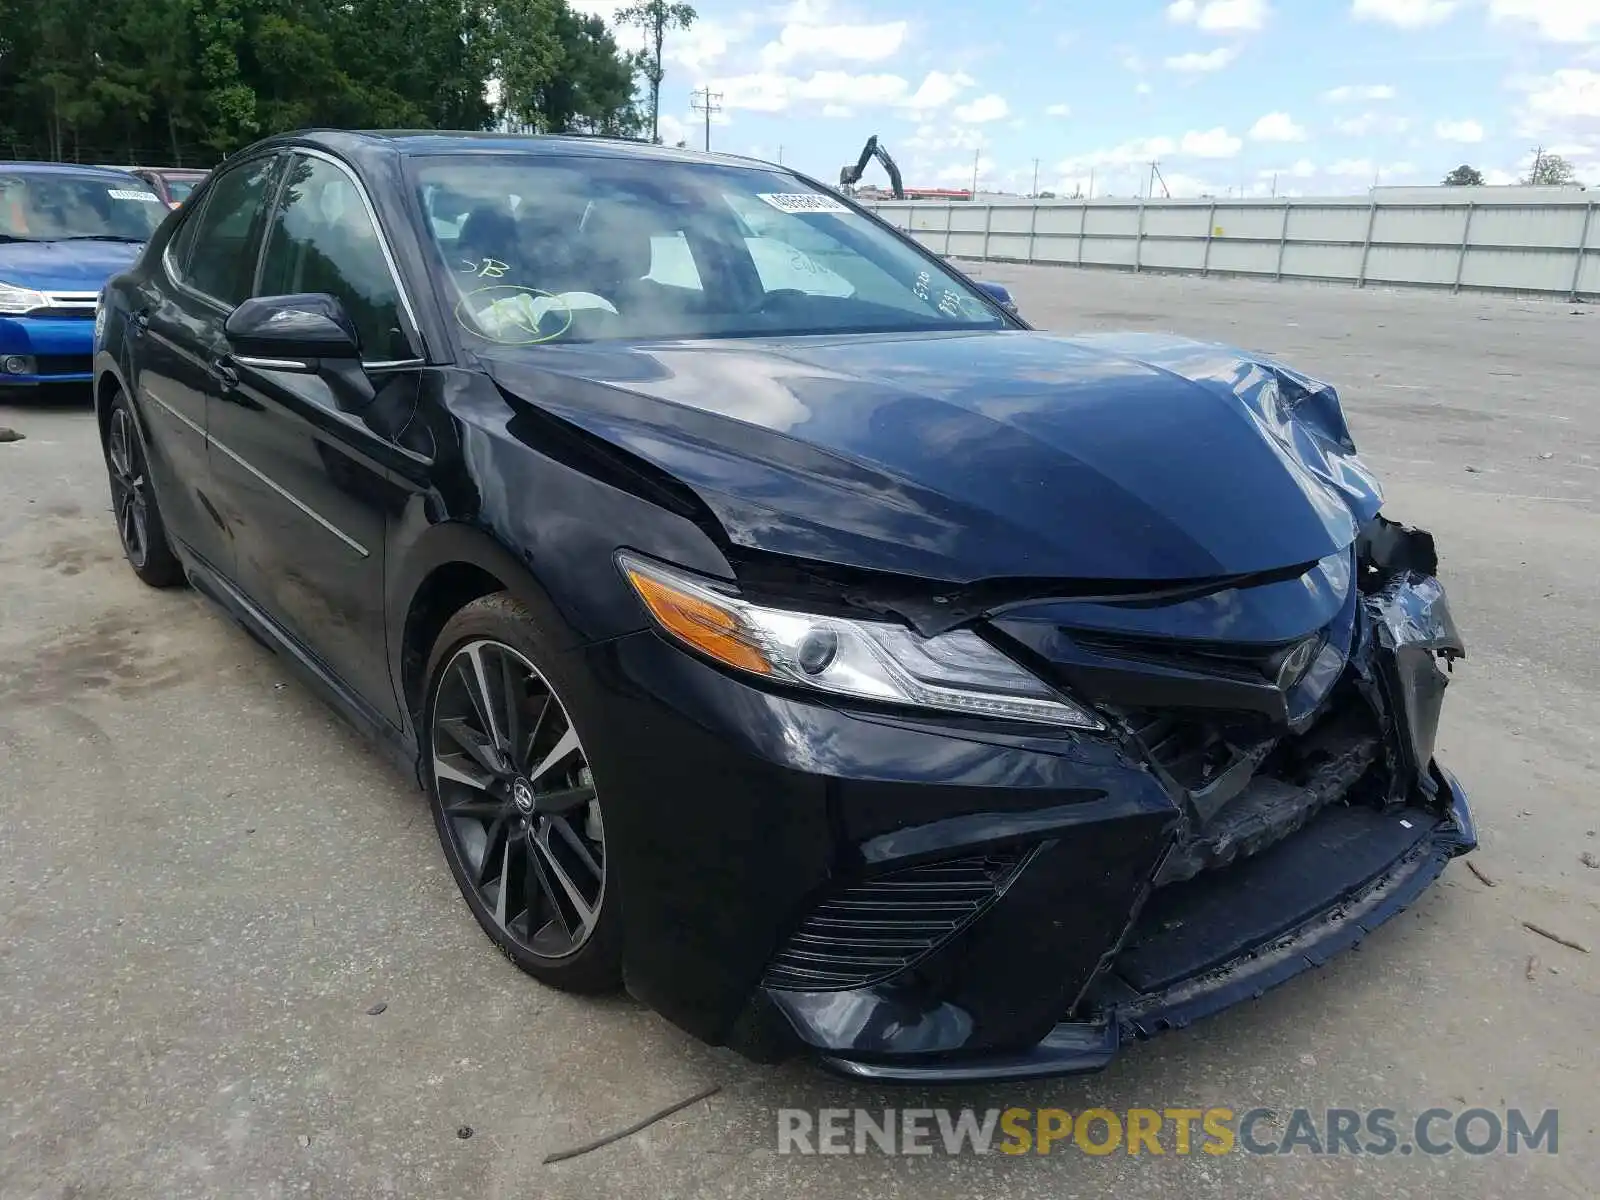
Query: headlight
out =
(870, 660)
(14, 299)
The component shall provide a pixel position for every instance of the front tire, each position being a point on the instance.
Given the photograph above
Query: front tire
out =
(133, 501)
(514, 801)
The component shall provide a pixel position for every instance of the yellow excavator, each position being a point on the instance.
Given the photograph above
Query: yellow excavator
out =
(849, 176)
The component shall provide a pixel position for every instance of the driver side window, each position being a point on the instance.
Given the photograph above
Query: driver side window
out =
(322, 239)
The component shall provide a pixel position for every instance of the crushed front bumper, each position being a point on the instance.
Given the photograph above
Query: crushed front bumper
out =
(927, 899)
(1251, 965)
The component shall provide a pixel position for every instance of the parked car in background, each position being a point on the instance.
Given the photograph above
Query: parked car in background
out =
(778, 625)
(64, 230)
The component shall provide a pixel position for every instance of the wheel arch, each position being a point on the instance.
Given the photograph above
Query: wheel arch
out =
(449, 567)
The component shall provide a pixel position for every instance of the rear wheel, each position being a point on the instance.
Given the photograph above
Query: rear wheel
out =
(515, 803)
(133, 501)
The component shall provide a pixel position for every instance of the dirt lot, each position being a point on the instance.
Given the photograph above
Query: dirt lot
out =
(207, 881)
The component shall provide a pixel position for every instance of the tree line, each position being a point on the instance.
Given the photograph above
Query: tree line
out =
(186, 82)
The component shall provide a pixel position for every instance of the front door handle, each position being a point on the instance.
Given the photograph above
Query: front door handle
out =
(224, 374)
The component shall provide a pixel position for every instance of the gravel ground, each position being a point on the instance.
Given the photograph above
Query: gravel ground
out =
(208, 881)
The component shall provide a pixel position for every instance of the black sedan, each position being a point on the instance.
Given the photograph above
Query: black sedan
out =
(778, 626)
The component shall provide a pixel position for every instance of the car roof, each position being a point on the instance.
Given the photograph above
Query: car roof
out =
(50, 168)
(418, 142)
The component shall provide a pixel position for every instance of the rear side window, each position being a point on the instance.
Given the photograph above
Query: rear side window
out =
(222, 249)
(322, 239)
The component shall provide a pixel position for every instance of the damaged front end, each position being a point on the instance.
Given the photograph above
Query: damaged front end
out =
(1296, 754)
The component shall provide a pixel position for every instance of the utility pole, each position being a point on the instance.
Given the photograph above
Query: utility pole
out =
(780, 154)
(975, 157)
(1533, 171)
(1036, 179)
(1091, 183)
(1274, 185)
(708, 102)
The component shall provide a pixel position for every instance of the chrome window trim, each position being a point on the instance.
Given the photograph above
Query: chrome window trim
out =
(291, 498)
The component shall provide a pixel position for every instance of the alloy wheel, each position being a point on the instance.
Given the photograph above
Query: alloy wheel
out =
(520, 810)
(129, 487)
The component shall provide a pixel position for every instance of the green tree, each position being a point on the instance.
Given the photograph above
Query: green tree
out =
(188, 81)
(1550, 170)
(1464, 176)
(656, 17)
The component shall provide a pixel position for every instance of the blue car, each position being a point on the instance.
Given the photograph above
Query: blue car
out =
(64, 230)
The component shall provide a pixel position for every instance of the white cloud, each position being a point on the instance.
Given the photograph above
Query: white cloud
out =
(1560, 100)
(859, 43)
(1213, 143)
(1554, 20)
(984, 108)
(960, 174)
(1407, 14)
(672, 130)
(938, 89)
(1213, 60)
(772, 91)
(937, 139)
(837, 110)
(1277, 127)
(1220, 16)
(1458, 131)
(1302, 168)
(1058, 110)
(1353, 168)
(1142, 89)
(1372, 122)
(1359, 91)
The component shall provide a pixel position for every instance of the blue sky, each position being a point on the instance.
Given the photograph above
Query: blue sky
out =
(1326, 95)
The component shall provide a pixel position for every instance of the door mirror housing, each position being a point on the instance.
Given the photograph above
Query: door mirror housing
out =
(308, 334)
(290, 331)
(1001, 295)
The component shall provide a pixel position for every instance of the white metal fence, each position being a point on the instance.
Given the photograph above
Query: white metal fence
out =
(1549, 244)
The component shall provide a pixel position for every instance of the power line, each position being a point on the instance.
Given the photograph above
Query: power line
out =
(708, 102)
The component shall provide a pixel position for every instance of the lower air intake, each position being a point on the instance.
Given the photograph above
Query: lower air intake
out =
(868, 932)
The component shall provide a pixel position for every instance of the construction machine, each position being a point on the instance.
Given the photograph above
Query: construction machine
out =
(849, 176)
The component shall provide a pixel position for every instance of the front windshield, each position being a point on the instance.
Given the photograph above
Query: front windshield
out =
(49, 207)
(546, 249)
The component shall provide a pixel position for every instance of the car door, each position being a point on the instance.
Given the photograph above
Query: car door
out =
(175, 328)
(306, 484)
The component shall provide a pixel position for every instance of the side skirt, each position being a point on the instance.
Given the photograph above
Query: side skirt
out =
(384, 735)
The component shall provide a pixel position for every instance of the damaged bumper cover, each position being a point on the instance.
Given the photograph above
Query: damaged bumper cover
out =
(1223, 852)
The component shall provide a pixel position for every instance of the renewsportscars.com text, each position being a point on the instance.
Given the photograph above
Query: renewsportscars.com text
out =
(1375, 1132)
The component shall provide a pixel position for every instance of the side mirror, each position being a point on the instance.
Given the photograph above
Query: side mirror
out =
(309, 334)
(292, 332)
(1001, 295)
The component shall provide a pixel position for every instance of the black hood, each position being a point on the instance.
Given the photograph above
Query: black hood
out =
(962, 457)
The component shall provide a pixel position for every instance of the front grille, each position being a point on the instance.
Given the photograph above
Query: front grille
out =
(867, 932)
(67, 305)
(65, 364)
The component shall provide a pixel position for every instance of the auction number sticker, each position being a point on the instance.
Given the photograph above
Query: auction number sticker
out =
(130, 194)
(803, 202)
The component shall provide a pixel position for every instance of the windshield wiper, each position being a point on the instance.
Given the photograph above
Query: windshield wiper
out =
(99, 237)
(11, 237)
